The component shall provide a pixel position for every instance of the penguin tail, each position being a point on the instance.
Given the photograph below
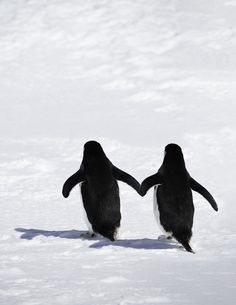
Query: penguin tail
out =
(110, 233)
(186, 245)
(183, 237)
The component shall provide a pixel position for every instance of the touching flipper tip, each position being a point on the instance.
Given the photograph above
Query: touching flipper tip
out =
(215, 206)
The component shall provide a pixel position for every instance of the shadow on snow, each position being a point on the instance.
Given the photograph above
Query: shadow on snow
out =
(101, 242)
(144, 243)
(69, 234)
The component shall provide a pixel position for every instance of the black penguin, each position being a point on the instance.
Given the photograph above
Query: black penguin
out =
(99, 190)
(173, 199)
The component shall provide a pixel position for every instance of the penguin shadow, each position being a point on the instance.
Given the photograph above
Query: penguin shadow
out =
(30, 234)
(144, 244)
(100, 242)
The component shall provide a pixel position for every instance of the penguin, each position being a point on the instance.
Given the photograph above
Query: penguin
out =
(173, 200)
(100, 191)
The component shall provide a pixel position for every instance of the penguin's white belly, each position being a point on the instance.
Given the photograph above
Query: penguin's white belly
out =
(157, 213)
(89, 226)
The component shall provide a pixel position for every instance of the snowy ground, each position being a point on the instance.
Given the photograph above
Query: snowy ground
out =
(134, 75)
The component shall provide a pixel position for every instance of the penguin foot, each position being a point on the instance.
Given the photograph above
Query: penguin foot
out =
(88, 235)
(164, 237)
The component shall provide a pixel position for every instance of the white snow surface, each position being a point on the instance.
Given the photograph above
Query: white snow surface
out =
(135, 76)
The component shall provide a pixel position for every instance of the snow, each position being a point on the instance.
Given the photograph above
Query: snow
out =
(135, 76)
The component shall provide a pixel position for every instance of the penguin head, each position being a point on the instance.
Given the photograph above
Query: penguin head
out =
(91, 146)
(93, 151)
(173, 154)
(173, 148)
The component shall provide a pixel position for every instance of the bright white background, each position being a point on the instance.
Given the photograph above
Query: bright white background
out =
(134, 75)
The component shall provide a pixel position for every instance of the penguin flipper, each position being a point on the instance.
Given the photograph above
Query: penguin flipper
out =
(72, 181)
(149, 182)
(125, 177)
(197, 187)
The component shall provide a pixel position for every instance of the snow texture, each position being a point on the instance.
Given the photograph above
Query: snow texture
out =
(135, 76)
